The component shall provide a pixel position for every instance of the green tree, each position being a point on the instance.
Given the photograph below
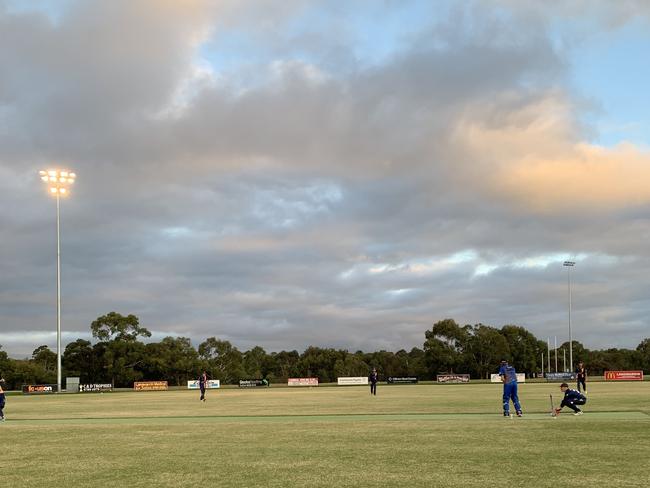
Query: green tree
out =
(122, 353)
(224, 361)
(26, 372)
(614, 359)
(79, 360)
(285, 364)
(443, 346)
(319, 362)
(351, 365)
(114, 326)
(123, 361)
(644, 355)
(7, 368)
(385, 362)
(45, 358)
(400, 364)
(525, 354)
(255, 363)
(484, 349)
(417, 363)
(579, 353)
(172, 359)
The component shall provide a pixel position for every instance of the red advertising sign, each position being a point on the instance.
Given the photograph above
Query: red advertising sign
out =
(303, 382)
(623, 375)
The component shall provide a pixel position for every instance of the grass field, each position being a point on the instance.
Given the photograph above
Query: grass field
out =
(415, 435)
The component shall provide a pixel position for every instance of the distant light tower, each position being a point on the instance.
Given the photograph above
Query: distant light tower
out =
(569, 265)
(58, 182)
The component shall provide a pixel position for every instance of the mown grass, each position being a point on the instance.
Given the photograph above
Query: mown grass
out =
(317, 437)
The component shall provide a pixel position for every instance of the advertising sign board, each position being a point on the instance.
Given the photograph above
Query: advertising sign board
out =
(212, 384)
(303, 382)
(452, 378)
(352, 380)
(402, 380)
(150, 386)
(521, 378)
(255, 383)
(560, 376)
(38, 389)
(95, 387)
(623, 375)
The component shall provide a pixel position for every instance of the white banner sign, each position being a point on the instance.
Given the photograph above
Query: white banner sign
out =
(94, 387)
(194, 384)
(521, 378)
(352, 380)
(303, 382)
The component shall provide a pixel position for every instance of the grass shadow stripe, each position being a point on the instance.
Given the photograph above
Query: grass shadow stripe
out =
(604, 415)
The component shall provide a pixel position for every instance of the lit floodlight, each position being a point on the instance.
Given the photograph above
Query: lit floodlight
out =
(57, 184)
(58, 180)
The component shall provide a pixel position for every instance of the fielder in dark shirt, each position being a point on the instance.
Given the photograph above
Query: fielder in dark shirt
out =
(372, 378)
(581, 377)
(572, 398)
(203, 384)
(2, 400)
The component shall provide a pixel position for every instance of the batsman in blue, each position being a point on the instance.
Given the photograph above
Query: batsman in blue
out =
(509, 378)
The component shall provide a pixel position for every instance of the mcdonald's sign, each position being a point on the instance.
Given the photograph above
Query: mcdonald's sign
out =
(623, 375)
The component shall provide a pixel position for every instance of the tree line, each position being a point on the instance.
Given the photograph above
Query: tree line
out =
(119, 356)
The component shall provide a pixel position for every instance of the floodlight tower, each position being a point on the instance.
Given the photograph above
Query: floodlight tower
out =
(58, 182)
(569, 265)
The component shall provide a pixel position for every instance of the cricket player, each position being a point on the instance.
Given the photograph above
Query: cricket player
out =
(581, 376)
(372, 378)
(509, 379)
(203, 384)
(571, 399)
(2, 400)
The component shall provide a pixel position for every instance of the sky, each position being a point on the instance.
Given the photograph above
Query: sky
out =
(340, 174)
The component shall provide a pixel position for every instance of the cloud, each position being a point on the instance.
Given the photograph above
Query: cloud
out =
(531, 156)
(590, 178)
(242, 172)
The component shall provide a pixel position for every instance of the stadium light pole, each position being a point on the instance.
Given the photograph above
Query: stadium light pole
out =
(569, 265)
(58, 182)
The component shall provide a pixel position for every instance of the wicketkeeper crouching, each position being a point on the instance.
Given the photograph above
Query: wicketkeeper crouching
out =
(572, 398)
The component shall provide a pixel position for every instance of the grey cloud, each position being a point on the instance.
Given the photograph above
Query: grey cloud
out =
(242, 214)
